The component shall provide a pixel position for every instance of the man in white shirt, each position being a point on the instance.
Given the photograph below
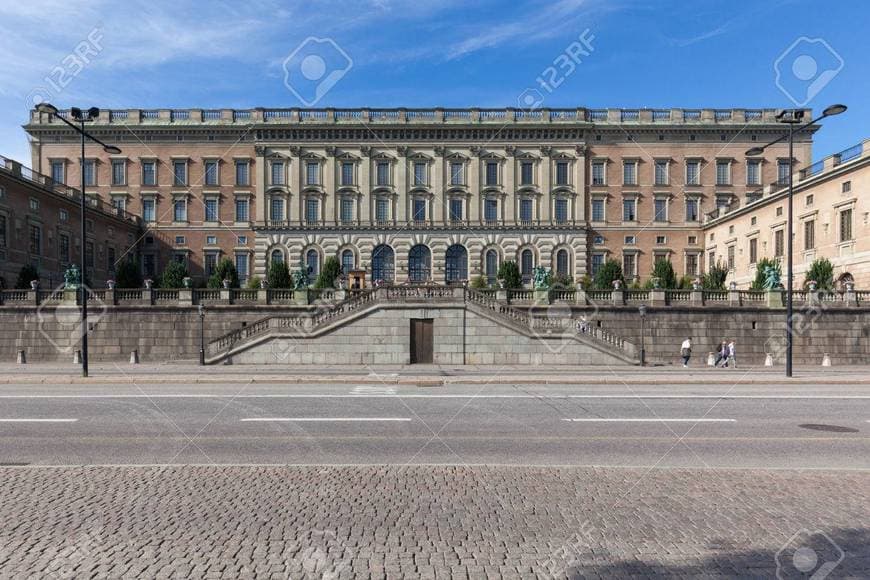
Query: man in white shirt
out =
(686, 351)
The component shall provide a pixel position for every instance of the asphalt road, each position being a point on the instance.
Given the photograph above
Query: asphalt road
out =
(755, 426)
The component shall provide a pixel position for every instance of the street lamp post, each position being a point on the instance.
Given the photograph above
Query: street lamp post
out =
(792, 117)
(82, 117)
(201, 309)
(642, 311)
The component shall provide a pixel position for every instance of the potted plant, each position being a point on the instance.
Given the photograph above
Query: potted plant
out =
(812, 285)
(617, 284)
(226, 283)
(110, 284)
(34, 284)
(696, 284)
(149, 283)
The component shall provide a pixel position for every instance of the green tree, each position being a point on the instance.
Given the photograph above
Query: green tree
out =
(330, 271)
(127, 274)
(822, 271)
(225, 270)
(664, 271)
(509, 274)
(609, 271)
(279, 275)
(27, 274)
(173, 275)
(562, 282)
(714, 279)
(760, 269)
(479, 283)
(253, 283)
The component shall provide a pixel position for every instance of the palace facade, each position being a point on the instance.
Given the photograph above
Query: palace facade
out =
(422, 194)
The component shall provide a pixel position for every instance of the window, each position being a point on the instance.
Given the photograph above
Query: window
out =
(846, 225)
(782, 171)
(383, 173)
(526, 210)
(629, 172)
(179, 173)
(526, 173)
(598, 210)
(598, 173)
(210, 172)
(57, 171)
(847, 187)
(383, 263)
(211, 209)
(420, 177)
(457, 173)
(731, 257)
(561, 173)
(691, 264)
(661, 240)
(312, 210)
(561, 210)
(89, 255)
(312, 262)
(730, 230)
(693, 240)
(808, 201)
(723, 173)
(491, 173)
(562, 262)
(419, 210)
(711, 260)
(691, 210)
(34, 204)
(456, 263)
(346, 210)
(778, 243)
(211, 240)
(527, 265)
(148, 210)
(277, 173)
(179, 210)
(62, 247)
(382, 210)
(597, 262)
(242, 267)
(119, 172)
(629, 265)
(243, 176)
(179, 240)
(149, 173)
(312, 173)
(661, 210)
(149, 265)
(90, 172)
(779, 211)
(598, 240)
(243, 240)
(490, 210)
(809, 234)
(630, 240)
(753, 250)
(242, 206)
(347, 174)
(753, 221)
(753, 172)
(210, 263)
(348, 262)
(629, 210)
(119, 203)
(419, 263)
(276, 209)
(693, 172)
(455, 210)
(491, 260)
(661, 172)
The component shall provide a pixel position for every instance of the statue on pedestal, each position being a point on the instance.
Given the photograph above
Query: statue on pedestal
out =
(72, 278)
(542, 278)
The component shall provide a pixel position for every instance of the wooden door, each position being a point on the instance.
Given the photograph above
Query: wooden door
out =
(422, 345)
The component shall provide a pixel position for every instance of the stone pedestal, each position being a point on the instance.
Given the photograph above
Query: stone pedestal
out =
(225, 295)
(148, 296)
(185, 297)
(850, 298)
(733, 297)
(618, 297)
(501, 295)
(340, 294)
(774, 298)
(580, 297)
(541, 296)
(262, 295)
(657, 297)
(697, 298)
(300, 297)
(70, 296)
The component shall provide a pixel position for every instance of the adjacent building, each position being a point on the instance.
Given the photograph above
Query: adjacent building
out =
(436, 195)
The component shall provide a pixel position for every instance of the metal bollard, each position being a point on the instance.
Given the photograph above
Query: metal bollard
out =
(134, 357)
(826, 360)
(77, 357)
(711, 360)
(21, 358)
(768, 360)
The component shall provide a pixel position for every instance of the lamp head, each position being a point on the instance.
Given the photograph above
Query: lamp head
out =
(834, 110)
(642, 310)
(93, 112)
(111, 149)
(46, 108)
(755, 151)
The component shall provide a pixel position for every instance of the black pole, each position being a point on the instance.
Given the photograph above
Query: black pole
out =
(789, 311)
(642, 347)
(201, 337)
(83, 261)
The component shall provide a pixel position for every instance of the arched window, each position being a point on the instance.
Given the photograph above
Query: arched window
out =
(348, 262)
(419, 263)
(456, 267)
(562, 262)
(383, 263)
(491, 260)
(276, 257)
(527, 264)
(312, 261)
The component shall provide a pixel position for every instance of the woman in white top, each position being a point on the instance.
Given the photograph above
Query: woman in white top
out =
(686, 351)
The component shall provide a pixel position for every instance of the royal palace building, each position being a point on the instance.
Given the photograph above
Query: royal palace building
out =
(422, 194)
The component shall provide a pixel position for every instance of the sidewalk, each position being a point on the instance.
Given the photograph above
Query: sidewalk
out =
(423, 375)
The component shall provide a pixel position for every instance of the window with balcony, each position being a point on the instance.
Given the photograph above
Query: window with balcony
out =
(562, 173)
(179, 173)
(597, 262)
(691, 264)
(276, 209)
(242, 267)
(210, 172)
(629, 266)
(312, 263)
(527, 265)
(629, 210)
(210, 263)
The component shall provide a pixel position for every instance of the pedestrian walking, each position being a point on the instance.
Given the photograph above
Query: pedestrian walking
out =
(722, 354)
(686, 351)
(732, 355)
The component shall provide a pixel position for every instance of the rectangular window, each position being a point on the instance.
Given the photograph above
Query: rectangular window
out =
(110, 260)
(692, 240)
(34, 204)
(753, 172)
(420, 177)
(148, 213)
(597, 262)
(242, 213)
(561, 173)
(210, 175)
(120, 204)
(491, 173)
(419, 210)
(778, 243)
(561, 211)
(277, 173)
(212, 240)
(661, 240)
(598, 173)
(598, 210)
(846, 225)
(691, 264)
(242, 267)
(753, 250)
(179, 210)
(731, 253)
(661, 210)
(90, 172)
(211, 209)
(57, 168)
(62, 248)
(723, 173)
(383, 173)
(525, 210)
(809, 200)
(382, 210)
(346, 210)
(846, 187)
(526, 173)
(312, 173)
(629, 265)
(149, 173)
(210, 263)
(711, 260)
(809, 234)
(179, 173)
(782, 171)
(455, 210)
(457, 173)
(119, 172)
(629, 173)
(693, 172)
(490, 210)
(598, 240)
(312, 211)
(243, 176)
(347, 173)
(691, 210)
(276, 209)
(89, 255)
(629, 240)
(629, 210)
(661, 176)
(179, 240)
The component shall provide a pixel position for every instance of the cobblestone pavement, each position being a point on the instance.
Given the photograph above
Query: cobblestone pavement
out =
(430, 522)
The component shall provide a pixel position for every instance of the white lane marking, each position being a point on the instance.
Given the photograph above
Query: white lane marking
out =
(324, 419)
(653, 420)
(373, 390)
(38, 420)
(427, 396)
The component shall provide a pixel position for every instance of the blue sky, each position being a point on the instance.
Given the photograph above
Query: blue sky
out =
(423, 53)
